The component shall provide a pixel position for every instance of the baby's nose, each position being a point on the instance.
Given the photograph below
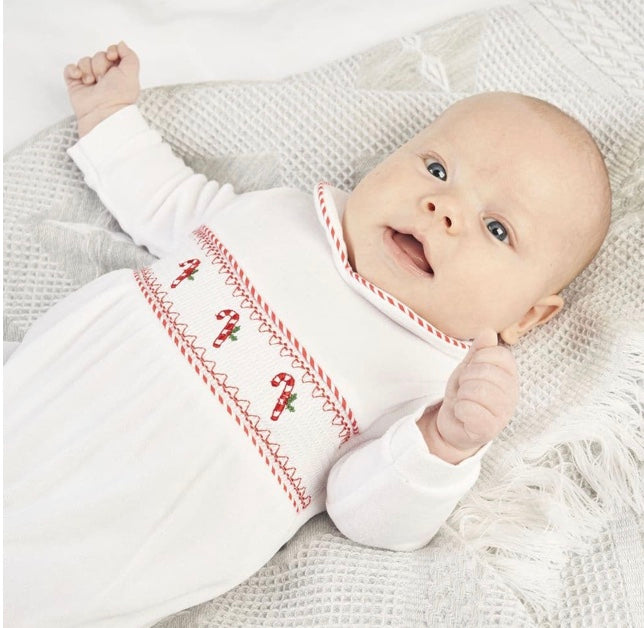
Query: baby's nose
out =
(443, 215)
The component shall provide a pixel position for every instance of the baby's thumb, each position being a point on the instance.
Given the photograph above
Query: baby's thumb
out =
(128, 56)
(485, 338)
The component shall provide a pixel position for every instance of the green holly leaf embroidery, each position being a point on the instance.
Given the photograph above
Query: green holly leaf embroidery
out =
(236, 328)
(191, 277)
(289, 403)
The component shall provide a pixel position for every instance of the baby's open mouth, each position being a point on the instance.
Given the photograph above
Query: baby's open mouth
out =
(414, 250)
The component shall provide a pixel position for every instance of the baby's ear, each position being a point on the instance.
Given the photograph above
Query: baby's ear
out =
(541, 312)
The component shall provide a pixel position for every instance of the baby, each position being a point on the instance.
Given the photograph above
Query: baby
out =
(167, 430)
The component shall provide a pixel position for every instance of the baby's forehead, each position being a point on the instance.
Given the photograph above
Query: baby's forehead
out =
(511, 131)
(517, 155)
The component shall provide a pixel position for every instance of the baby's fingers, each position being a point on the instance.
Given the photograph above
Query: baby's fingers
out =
(498, 402)
(497, 356)
(112, 53)
(72, 73)
(85, 66)
(493, 374)
(100, 64)
(479, 424)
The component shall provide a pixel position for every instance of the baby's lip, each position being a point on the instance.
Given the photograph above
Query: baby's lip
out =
(412, 251)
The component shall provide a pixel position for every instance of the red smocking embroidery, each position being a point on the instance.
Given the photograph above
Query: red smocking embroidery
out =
(339, 245)
(312, 373)
(225, 393)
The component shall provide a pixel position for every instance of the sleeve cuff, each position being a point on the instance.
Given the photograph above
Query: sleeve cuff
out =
(413, 460)
(108, 136)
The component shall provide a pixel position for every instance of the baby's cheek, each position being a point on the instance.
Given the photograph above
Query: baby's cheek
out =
(471, 306)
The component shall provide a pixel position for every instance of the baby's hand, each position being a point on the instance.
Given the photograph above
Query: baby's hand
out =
(101, 85)
(481, 396)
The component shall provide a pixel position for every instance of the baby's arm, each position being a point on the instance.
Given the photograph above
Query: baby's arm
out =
(397, 490)
(156, 198)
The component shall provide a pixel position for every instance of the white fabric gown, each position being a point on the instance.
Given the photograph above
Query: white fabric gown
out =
(168, 429)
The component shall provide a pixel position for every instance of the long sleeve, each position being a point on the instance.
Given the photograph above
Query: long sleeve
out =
(155, 197)
(391, 492)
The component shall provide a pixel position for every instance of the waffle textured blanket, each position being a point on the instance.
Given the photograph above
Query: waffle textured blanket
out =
(552, 532)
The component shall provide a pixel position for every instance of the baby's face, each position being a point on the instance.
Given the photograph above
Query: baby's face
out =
(473, 221)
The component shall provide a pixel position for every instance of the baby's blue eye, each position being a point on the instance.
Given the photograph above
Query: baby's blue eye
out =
(437, 170)
(497, 230)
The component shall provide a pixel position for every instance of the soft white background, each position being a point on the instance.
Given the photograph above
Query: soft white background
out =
(184, 41)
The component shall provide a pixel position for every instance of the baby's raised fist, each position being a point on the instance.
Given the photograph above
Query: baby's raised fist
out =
(480, 399)
(481, 396)
(100, 85)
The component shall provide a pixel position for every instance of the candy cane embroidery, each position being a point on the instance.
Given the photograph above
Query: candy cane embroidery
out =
(190, 268)
(281, 466)
(229, 330)
(286, 398)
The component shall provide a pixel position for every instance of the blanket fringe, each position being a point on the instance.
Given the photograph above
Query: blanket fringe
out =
(560, 490)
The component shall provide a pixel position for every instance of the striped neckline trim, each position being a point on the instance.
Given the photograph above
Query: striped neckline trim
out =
(335, 233)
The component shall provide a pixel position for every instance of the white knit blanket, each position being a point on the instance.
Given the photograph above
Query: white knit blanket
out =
(552, 532)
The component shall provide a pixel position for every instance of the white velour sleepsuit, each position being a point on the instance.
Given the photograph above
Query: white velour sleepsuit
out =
(168, 429)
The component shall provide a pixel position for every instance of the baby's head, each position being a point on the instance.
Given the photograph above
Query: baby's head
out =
(483, 217)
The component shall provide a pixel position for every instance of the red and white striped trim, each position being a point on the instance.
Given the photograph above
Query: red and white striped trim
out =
(341, 250)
